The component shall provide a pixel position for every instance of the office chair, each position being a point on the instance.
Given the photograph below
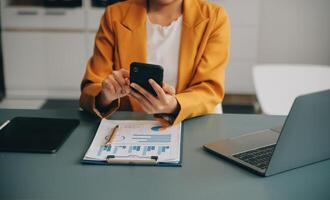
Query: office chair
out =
(278, 85)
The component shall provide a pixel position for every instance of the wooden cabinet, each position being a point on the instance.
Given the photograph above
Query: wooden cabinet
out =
(65, 63)
(24, 70)
(39, 64)
(45, 50)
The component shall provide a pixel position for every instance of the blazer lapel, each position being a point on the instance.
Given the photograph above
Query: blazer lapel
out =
(132, 37)
(191, 34)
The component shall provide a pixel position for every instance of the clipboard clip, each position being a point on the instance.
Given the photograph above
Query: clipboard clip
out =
(132, 160)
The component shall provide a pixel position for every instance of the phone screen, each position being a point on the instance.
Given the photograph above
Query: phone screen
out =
(140, 73)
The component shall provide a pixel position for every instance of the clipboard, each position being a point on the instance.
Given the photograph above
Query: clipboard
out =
(134, 159)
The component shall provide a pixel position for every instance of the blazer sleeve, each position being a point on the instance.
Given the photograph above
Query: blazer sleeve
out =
(206, 90)
(99, 66)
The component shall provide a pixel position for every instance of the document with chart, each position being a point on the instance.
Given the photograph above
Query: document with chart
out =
(135, 142)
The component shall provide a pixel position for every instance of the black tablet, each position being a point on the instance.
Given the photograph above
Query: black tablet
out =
(29, 134)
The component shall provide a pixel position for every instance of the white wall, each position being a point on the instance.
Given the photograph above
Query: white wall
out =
(295, 31)
(275, 31)
(244, 17)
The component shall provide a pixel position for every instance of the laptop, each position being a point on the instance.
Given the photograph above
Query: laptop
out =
(38, 135)
(304, 139)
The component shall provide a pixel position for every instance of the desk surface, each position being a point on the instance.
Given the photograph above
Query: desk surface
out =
(202, 176)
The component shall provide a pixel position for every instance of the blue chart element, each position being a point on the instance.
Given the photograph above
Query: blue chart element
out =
(136, 148)
(151, 148)
(104, 148)
(117, 147)
(162, 149)
(100, 151)
(109, 148)
(115, 151)
(147, 149)
(156, 128)
(152, 138)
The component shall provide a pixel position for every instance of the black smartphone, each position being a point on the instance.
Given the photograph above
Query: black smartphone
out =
(140, 73)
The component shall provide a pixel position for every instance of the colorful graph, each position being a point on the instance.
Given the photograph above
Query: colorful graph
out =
(110, 149)
(104, 148)
(162, 149)
(152, 138)
(134, 149)
(158, 128)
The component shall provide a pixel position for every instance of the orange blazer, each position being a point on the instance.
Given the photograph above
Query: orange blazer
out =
(204, 52)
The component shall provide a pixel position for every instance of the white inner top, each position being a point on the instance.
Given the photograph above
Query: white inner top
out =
(163, 45)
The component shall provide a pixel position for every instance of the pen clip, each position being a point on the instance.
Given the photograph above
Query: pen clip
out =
(142, 160)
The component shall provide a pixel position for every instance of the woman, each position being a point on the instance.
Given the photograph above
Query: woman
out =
(189, 38)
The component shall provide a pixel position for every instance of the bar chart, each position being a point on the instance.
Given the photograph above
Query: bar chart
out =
(144, 138)
(134, 150)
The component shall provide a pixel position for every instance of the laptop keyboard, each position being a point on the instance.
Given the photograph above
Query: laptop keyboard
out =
(257, 157)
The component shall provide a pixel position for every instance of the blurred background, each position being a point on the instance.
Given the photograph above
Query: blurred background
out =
(45, 45)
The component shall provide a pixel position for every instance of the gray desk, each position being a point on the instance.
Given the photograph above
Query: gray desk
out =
(202, 176)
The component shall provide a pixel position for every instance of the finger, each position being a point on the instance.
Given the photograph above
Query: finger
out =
(127, 81)
(119, 78)
(145, 104)
(115, 84)
(125, 73)
(144, 108)
(160, 92)
(108, 86)
(116, 78)
(140, 97)
(168, 89)
(149, 96)
(108, 91)
(127, 87)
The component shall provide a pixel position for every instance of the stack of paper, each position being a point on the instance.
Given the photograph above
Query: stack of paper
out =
(136, 140)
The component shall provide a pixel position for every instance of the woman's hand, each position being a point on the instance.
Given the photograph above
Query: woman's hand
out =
(164, 103)
(114, 86)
